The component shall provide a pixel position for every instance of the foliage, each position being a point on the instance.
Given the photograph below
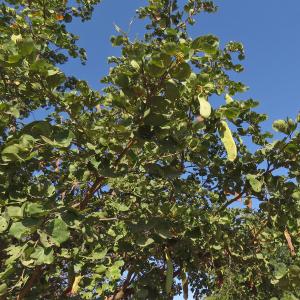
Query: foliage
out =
(129, 193)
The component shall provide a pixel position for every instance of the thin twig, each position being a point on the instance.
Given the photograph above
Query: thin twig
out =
(99, 181)
(226, 204)
(29, 284)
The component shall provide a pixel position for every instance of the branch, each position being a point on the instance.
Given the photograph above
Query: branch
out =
(94, 188)
(256, 234)
(99, 181)
(29, 284)
(120, 293)
(122, 154)
(226, 204)
(290, 243)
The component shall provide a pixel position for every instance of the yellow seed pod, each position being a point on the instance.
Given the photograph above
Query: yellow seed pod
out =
(75, 286)
(205, 107)
(228, 141)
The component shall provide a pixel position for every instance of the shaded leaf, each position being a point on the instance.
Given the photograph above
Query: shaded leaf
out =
(181, 71)
(3, 224)
(42, 256)
(18, 230)
(208, 44)
(143, 241)
(3, 289)
(15, 211)
(255, 183)
(60, 232)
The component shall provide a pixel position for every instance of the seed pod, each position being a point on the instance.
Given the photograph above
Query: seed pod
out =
(228, 141)
(205, 107)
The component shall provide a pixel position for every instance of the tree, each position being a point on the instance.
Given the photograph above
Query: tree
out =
(130, 193)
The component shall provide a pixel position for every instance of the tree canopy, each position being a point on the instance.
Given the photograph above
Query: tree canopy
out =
(132, 192)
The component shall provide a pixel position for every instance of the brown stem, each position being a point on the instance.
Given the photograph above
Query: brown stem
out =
(226, 204)
(256, 234)
(290, 243)
(93, 189)
(122, 154)
(29, 284)
(120, 293)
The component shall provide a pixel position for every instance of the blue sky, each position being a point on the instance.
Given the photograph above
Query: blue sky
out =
(269, 30)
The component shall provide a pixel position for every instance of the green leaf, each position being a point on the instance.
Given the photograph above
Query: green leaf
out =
(296, 195)
(26, 47)
(3, 224)
(228, 141)
(164, 232)
(217, 247)
(122, 80)
(228, 99)
(208, 44)
(289, 296)
(15, 211)
(171, 172)
(120, 206)
(98, 253)
(16, 38)
(205, 107)
(42, 256)
(169, 272)
(3, 289)
(19, 151)
(143, 241)
(18, 230)
(181, 71)
(41, 66)
(12, 59)
(61, 139)
(55, 80)
(135, 65)
(294, 270)
(155, 119)
(281, 126)
(38, 128)
(171, 90)
(170, 48)
(114, 272)
(117, 40)
(280, 270)
(254, 182)
(35, 209)
(45, 239)
(154, 70)
(60, 232)
(12, 153)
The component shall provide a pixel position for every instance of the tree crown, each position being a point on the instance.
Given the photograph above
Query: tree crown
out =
(130, 193)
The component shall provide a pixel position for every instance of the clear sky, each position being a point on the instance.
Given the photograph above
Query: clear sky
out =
(269, 30)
